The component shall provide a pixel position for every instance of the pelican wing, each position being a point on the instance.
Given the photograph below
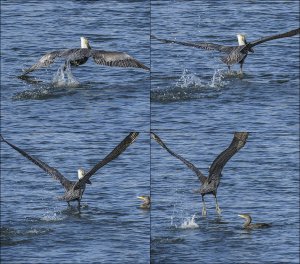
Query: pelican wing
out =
(116, 59)
(50, 170)
(278, 36)
(239, 141)
(200, 45)
(191, 166)
(44, 61)
(111, 156)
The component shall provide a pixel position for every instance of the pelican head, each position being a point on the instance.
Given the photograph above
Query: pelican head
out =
(242, 41)
(85, 43)
(81, 174)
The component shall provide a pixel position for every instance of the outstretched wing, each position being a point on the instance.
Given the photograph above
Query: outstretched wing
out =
(111, 156)
(72, 55)
(278, 36)
(201, 177)
(200, 45)
(50, 170)
(239, 141)
(116, 59)
(44, 61)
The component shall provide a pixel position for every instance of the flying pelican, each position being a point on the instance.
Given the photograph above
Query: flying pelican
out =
(234, 54)
(75, 189)
(80, 56)
(210, 184)
(147, 201)
(249, 225)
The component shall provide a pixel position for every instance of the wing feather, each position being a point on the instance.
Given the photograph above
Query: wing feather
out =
(239, 141)
(48, 169)
(116, 59)
(277, 36)
(191, 166)
(200, 45)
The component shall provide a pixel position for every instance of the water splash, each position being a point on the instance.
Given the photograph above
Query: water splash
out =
(189, 223)
(217, 80)
(64, 77)
(188, 79)
(190, 86)
(51, 217)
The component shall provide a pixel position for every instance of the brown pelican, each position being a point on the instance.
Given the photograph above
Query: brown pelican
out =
(75, 189)
(210, 184)
(147, 202)
(80, 56)
(249, 225)
(234, 54)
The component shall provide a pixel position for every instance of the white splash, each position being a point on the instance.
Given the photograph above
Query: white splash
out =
(51, 217)
(189, 223)
(64, 77)
(188, 79)
(217, 79)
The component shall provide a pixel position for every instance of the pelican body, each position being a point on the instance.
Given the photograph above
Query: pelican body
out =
(210, 184)
(234, 54)
(75, 189)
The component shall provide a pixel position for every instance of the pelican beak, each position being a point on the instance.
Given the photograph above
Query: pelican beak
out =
(141, 197)
(241, 216)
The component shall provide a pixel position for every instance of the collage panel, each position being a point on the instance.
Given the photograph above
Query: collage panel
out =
(41, 221)
(255, 218)
(191, 86)
(50, 84)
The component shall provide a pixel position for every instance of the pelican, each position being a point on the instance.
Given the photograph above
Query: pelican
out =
(210, 184)
(79, 56)
(234, 54)
(75, 189)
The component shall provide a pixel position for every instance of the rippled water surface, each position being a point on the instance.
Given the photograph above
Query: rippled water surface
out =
(189, 100)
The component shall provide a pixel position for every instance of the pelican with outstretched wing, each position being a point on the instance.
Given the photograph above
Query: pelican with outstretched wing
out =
(234, 54)
(75, 189)
(79, 56)
(210, 184)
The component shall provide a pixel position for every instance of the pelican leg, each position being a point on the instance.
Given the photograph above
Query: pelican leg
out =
(78, 206)
(68, 204)
(204, 207)
(241, 68)
(228, 68)
(217, 206)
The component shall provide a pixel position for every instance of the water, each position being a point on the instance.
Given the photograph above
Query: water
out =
(74, 120)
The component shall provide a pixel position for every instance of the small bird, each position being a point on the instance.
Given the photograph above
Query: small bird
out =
(147, 202)
(249, 225)
(75, 189)
(210, 184)
(234, 54)
(79, 56)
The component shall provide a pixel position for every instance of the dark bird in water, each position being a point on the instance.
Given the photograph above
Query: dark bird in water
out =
(234, 54)
(248, 224)
(210, 184)
(79, 56)
(75, 189)
(146, 202)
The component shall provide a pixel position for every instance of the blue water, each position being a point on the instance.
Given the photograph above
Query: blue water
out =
(189, 100)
